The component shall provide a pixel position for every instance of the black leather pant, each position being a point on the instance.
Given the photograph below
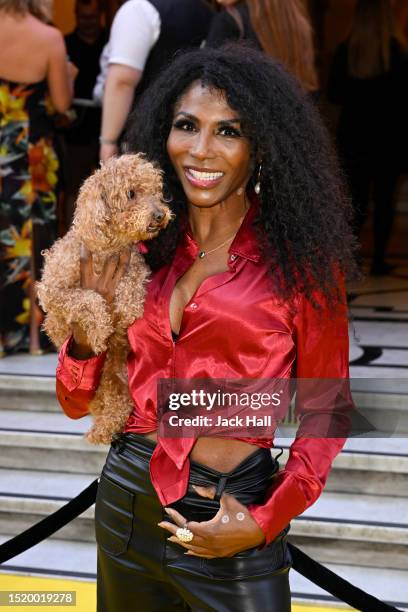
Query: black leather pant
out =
(138, 569)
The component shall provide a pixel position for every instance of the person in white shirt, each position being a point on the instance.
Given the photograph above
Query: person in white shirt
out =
(145, 35)
(122, 62)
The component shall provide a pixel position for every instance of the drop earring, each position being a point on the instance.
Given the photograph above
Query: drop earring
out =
(257, 187)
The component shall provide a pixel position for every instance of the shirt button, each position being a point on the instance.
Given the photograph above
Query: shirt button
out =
(233, 257)
(193, 306)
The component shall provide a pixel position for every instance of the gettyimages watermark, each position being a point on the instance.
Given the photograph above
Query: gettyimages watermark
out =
(263, 408)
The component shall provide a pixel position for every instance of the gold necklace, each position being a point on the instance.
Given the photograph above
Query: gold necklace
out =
(202, 254)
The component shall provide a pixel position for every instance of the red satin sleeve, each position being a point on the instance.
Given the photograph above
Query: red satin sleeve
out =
(77, 381)
(322, 353)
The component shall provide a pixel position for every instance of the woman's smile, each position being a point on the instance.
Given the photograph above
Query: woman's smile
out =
(203, 179)
(207, 147)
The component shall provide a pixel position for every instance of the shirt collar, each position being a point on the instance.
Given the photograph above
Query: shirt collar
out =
(245, 243)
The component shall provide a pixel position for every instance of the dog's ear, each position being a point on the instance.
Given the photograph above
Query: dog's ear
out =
(91, 219)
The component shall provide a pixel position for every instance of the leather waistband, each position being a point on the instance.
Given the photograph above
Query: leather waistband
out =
(248, 481)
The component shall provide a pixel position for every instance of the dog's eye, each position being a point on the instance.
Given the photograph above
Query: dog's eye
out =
(130, 194)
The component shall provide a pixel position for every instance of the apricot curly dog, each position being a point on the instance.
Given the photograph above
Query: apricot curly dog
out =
(119, 205)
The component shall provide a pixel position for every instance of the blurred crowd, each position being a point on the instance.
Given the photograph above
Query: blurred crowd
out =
(65, 101)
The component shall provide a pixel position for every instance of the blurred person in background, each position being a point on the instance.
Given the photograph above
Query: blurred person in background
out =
(145, 35)
(281, 29)
(369, 80)
(110, 8)
(35, 80)
(400, 8)
(85, 44)
(84, 47)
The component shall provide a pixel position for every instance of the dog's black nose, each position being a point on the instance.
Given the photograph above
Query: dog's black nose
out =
(158, 217)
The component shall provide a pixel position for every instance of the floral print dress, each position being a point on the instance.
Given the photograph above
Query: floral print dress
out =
(28, 180)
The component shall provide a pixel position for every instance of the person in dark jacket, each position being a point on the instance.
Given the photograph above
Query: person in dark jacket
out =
(84, 47)
(369, 80)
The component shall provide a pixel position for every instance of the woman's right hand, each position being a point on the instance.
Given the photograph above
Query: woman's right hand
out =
(105, 283)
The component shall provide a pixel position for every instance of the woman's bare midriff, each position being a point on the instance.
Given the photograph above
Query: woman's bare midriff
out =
(219, 454)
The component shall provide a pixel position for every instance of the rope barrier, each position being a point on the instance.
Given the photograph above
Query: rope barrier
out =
(334, 584)
(50, 524)
(302, 563)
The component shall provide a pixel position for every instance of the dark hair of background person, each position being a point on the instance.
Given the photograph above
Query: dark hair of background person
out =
(285, 33)
(303, 221)
(369, 48)
(89, 3)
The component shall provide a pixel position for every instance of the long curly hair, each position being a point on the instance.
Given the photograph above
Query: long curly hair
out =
(303, 221)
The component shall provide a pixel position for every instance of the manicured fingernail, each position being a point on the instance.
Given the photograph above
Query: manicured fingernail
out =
(168, 510)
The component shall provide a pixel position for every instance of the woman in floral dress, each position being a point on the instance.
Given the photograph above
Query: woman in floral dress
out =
(35, 79)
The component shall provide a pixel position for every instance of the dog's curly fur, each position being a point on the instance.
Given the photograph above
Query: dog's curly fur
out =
(115, 209)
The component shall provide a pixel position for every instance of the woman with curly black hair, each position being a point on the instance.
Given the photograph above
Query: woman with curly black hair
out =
(247, 283)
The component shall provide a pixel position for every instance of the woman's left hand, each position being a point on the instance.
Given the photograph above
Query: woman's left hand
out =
(221, 536)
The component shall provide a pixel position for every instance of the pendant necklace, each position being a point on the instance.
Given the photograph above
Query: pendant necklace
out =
(202, 254)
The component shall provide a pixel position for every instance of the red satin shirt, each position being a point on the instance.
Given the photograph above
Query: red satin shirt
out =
(233, 327)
